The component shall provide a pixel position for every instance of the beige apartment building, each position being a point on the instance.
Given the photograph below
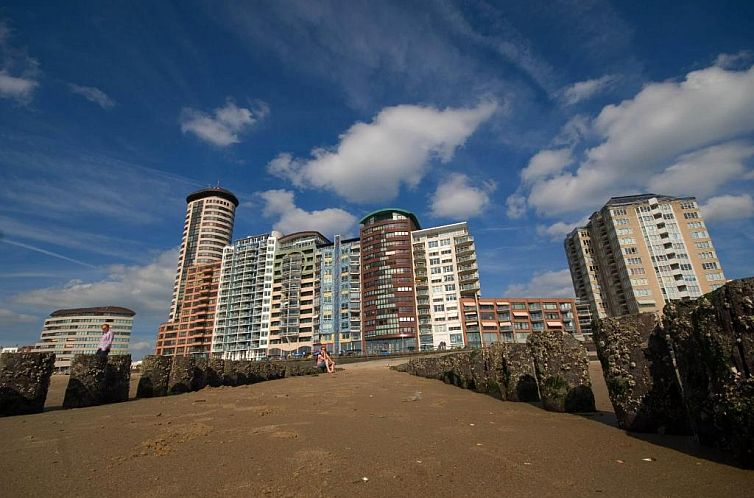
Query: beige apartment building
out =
(445, 269)
(641, 251)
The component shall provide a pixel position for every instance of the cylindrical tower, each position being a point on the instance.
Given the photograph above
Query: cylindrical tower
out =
(207, 229)
(387, 281)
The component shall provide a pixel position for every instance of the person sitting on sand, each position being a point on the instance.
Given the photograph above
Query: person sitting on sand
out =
(324, 362)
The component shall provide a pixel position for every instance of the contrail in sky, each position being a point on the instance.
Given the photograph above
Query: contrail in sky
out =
(44, 251)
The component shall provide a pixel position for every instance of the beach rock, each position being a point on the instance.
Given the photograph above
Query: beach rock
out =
(117, 378)
(639, 374)
(24, 380)
(86, 384)
(713, 340)
(297, 368)
(181, 375)
(562, 370)
(214, 372)
(233, 374)
(155, 374)
(199, 378)
(519, 378)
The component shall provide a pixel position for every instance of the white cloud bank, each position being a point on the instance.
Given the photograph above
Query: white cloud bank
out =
(18, 78)
(93, 94)
(687, 133)
(457, 199)
(281, 204)
(584, 90)
(224, 126)
(545, 284)
(728, 207)
(373, 160)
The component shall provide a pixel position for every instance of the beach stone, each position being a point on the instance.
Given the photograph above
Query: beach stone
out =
(117, 378)
(215, 371)
(86, 384)
(639, 374)
(181, 375)
(562, 370)
(24, 381)
(155, 374)
(199, 378)
(519, 377)
(296, 368)
(713, 341)
(233, 374)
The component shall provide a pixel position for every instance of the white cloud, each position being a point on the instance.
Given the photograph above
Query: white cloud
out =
(584, 90)
(546, 163)
(545, 284)
(146, 289)
(93, 94)
(703, 172)
(11, 317)
(15, 87)
(728, 207)
(455, 198)
(140, 348)
(373, 160)
(280, 204)
(731, 61)
(224, 126)
(642, 137)
(516, 206)
(18, 77)
(558, 230)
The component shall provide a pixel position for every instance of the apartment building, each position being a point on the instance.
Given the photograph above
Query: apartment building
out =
(340, 296)
(389, 319)
(207, 229)
(503, 319)
(191, 332)
(445, 269)
(242, 318)
(641, 251)
(69, 332)
(294, 313)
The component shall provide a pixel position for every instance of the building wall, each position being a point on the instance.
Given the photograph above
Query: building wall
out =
(389, 320)
(294, 319)
(78, 331)
(502, 319)
(340, 296)
(207, 229)
(646, 250)
(445, 267)
(191, 332)
(242, 319)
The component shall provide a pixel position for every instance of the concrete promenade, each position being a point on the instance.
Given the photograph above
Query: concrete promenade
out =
(364, 431)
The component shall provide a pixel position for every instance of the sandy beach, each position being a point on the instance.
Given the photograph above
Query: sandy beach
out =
(363, 431)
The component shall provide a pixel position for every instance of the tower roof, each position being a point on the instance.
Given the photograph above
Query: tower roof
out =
(98, 310)
(408, 214)
(213, 192)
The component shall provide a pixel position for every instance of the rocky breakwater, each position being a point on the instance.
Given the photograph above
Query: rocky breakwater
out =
(713, 342)
(639, 374)
(24, 380)
(562, 372)
(155, 376)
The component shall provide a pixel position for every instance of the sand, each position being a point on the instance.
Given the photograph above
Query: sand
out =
(363, 431)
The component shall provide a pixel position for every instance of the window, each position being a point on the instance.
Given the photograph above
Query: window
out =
(521, 325)
(704, 245)
(637, 271)
(434, 261)
(633, 261)
(436, 270)
(711, 277)
(450, 287)
(447, 269)
(642, 292)
(449, 278)
(432, 243)
(445, 242)
(621, 221)
(518, 306)
(691, 215)
(709, 266)
(696, 224)
(688, 205)
(702, 234)
(629, 250)
(439, 307)
(628, 240)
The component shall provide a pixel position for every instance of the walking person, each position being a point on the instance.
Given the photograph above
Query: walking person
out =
(105, 342)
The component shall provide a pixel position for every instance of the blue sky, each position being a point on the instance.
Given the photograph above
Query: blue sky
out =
(520, 117)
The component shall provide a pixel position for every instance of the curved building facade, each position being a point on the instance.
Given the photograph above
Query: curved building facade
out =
(207, 229)
(389, 321)
(77, 331)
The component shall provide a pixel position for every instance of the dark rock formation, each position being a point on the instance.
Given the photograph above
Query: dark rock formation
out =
(181, 375)
(519, 379)
(215, 371)
(713, 341)
(117, 378)
(24, 380)
(86, 385)
(232, 374)
(199, 377)
(155, 374)
(639, 374)
(296, 368)
(562, 372)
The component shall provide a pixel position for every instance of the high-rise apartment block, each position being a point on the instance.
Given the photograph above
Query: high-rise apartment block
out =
(446, 271)
(77, 331)
(191, 332)
(389, 318)
(340, 296)
(639, 252)
(242, 318)
(501, 319)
